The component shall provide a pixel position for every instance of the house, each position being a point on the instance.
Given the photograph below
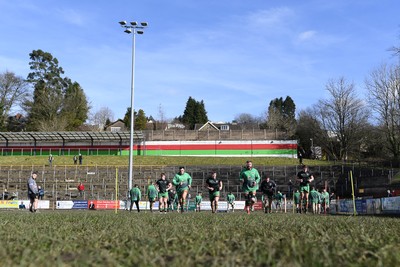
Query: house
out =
(175, 126)
(225, 126)
(116, 126)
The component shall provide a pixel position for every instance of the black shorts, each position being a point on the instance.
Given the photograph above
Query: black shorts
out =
(269, 194)
(32, 197)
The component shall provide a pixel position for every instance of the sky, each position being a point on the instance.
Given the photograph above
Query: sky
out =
(235, 55)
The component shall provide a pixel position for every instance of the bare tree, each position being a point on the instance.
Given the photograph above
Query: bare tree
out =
(384, 97)
(247, 121)
(100, 117)
(162, 120)
(13, 91)
(56, 124)
(343, 118)
(309, 131)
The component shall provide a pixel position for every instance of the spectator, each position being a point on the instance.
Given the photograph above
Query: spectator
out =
(331, 197)
(51, 160)
(92, 206)
(5, 194)
(33, 192)
(41, 192)
(14, 196)
(22, 206)
(81, 189)
(300, 154)
(75, 160)
(290, 188)
(80, 159)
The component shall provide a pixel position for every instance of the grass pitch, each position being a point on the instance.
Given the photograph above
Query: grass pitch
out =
(103, 238)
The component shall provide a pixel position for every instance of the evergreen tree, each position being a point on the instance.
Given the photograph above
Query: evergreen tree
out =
(140, 120)
(195, 112)
(281, 115)
(75, 108)
(57, 104)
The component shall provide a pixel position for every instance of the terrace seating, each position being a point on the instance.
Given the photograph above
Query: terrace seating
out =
(60, 182)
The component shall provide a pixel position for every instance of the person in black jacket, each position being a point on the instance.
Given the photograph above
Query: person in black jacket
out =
(268, 189)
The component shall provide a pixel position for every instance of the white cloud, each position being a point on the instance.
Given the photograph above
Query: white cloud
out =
(271, 17)
(307, 35)
(71, 16)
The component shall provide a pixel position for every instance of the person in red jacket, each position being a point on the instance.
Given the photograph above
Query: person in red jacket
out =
(81, 189)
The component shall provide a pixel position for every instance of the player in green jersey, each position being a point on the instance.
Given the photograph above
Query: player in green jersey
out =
(183, 182)
(163, 186)
(231, 201)
(151, 194)
(325, 201)
(278, 201)
(135, 195)
(250, 179)
(305, 178)
(198, 200)
(214, 186)
(296, 197)
(314, 200)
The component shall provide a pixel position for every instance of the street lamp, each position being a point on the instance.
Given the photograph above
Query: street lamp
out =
(312, 148)
(134, 28)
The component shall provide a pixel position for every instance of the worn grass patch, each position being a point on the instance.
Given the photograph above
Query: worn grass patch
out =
(103, 238)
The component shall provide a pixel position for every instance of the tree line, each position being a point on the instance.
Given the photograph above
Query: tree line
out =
(344, 125)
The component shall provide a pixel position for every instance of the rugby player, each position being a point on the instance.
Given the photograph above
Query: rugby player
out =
(163, 186)
(214, 186)
(305, 178)
(183, 182)
(250, 178)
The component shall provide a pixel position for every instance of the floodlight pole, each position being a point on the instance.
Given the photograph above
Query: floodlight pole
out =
(133, 28)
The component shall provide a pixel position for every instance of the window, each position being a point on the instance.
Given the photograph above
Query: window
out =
(115, 129)
(224, 127)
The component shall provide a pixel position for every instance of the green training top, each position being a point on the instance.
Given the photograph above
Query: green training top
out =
(314, 195)
(152, 191)
(198, 199)
(279, 197)
(231, 198)
(135, 194)
(185, 179)
(250, 179)
(325, 197)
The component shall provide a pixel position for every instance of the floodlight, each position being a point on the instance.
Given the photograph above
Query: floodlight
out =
(123, 23)
(139, 32)
(144, 24)
(128, 31)
(134, 23)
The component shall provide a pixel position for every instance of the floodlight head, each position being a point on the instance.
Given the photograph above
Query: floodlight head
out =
(139, 32)
(134, 23)
(128, 31)
(123, 23)
(144, 24)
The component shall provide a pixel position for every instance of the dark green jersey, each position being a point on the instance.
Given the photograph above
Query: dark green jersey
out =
(213, 183)
(305, 176)
(279, 197)
(162, 185)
